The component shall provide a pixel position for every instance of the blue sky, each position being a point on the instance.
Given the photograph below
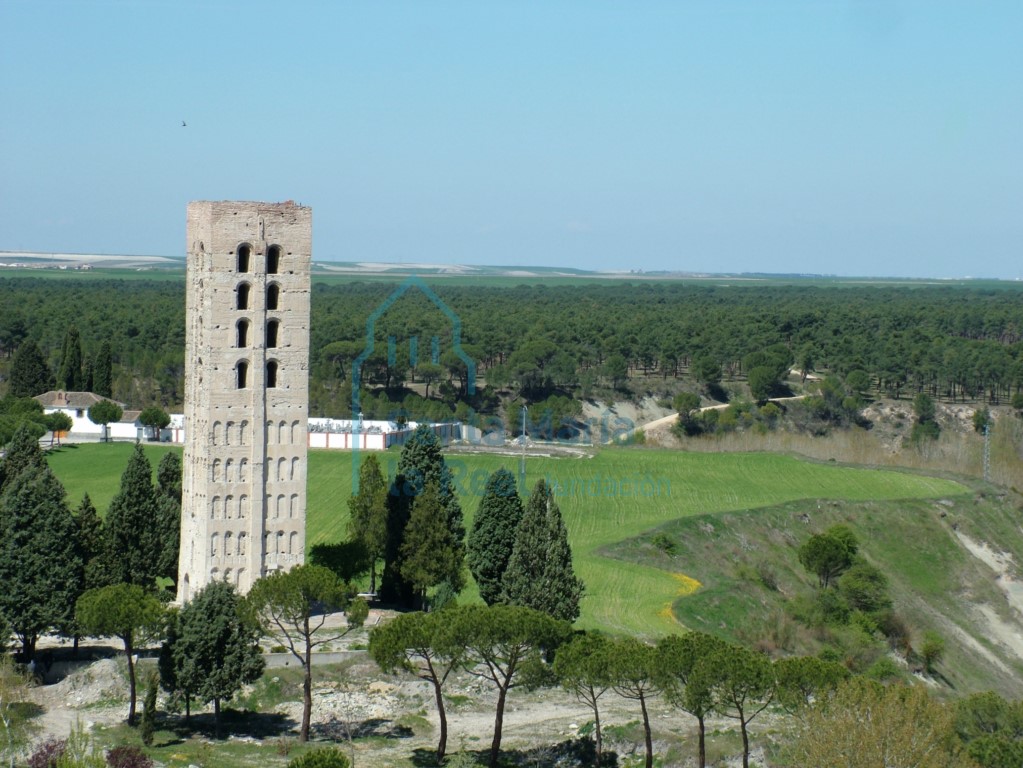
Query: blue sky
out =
(866, 137)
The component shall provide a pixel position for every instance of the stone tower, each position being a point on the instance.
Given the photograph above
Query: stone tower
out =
(246, 392)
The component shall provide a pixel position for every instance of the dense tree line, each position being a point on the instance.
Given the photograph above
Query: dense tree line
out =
(952, 342)
(51, 555)
(130, 334)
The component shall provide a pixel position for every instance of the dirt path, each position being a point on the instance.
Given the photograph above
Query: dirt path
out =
(60, 715)
(670, 420)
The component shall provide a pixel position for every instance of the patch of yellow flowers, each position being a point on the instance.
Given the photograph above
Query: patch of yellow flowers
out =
(687, 586)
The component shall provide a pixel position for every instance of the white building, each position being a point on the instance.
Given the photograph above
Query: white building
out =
(77, 404)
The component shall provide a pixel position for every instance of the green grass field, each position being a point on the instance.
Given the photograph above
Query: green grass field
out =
(615, 495)
(96, 469)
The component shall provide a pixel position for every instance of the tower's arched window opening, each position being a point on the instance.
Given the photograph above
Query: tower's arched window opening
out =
(271, 333)
(244, 254)
(273, 296)
(271, 374)
(243, 296)
(273, 259)
(243, 374)
(243, 334)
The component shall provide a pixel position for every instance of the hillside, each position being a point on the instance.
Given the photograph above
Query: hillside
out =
(953, 565)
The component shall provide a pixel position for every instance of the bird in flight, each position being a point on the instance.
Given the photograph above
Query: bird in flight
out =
(184, 124)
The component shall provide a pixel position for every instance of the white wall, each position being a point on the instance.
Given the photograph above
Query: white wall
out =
(80, 425)
(334, 434)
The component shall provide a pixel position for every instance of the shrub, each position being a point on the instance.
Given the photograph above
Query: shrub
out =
(767, 575)
(895, 629)
(283, 746)
(444, 596)
(128, 756)
(47, 753)
(864, 622)
(865, 588)
(922, 431)
(859, 650)
(830, 654)
(830, 608)
(931, 650)
(664, 542)
(981, 418)
(321, 757)
(923, 408)
(147, 727)
(883, 670)
(770, 413)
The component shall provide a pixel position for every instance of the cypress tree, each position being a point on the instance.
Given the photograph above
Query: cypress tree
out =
(147, 728)
(175, 671)
(168, 476)
(23, 452)
(134, 534)
(69, 375)
(430, 553)
(40, 568)
(216, 646)
(540, 573)
(169, 525)
(368, 514)
(87, 377)
(91, 544)
(168, 487)
(103, 372)
(30, 375)
(492, 537)
(420, 463)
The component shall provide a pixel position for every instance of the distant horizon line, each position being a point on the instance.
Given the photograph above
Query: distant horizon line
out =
(469, 270)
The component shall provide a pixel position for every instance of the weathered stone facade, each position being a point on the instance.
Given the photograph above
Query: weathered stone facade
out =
(246, 392)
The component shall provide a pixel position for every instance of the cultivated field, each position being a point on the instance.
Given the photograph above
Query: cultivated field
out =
(613, 495)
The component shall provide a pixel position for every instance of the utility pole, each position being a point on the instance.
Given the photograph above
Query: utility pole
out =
(987, 451)
(522, 459)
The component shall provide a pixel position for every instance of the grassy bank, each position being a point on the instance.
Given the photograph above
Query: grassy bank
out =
(752, 581)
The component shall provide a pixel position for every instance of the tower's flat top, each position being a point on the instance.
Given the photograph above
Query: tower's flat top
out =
(247, 204)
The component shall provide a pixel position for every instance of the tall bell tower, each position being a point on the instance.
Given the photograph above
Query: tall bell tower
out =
(246, 392)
